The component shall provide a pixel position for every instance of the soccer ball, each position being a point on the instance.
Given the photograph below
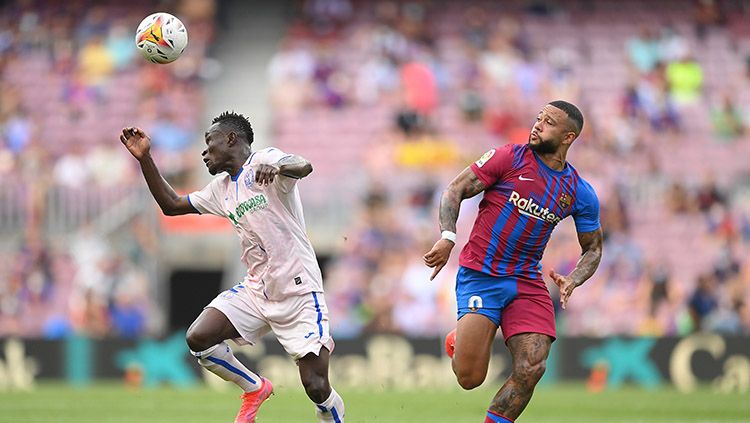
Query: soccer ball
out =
(161, 38)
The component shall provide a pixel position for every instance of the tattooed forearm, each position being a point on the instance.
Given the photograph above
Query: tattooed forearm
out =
(591, 243)
(294, 167)
(466, 185)
(450, 204)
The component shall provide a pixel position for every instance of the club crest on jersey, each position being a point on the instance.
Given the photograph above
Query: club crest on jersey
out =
(249, 178)
(564, 201)
(485, 158)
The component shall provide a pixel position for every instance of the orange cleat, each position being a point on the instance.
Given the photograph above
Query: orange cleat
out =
(450, 343)
(251, 402)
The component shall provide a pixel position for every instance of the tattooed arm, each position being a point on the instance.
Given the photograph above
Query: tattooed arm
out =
(591, 246)
(465, 185)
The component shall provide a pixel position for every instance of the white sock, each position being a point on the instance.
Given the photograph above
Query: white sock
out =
(332, 409)
(220, 361)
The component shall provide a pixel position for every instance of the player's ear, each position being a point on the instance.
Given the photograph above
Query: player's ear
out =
(231, 138)
(569, 138)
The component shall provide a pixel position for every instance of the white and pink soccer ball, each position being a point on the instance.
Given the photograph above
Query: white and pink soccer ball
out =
(161, 38)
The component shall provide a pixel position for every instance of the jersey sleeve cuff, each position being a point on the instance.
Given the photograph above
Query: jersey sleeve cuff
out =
(582, 229)
(193, 205)
(481, 175)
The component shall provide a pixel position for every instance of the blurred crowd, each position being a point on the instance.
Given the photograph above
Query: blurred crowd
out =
(399, 96)
(389, 100)
(70, 80)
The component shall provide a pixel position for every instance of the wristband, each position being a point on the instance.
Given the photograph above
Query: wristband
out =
(450, 236)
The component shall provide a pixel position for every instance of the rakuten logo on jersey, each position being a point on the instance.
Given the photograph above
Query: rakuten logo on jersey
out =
(528, 207)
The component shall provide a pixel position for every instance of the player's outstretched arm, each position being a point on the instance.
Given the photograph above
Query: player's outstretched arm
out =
(291, 166)
(295, 167)
(591, 246)
(465, 185)
(139, 145)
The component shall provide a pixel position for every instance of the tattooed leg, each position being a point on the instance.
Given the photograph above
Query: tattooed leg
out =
(529, 352)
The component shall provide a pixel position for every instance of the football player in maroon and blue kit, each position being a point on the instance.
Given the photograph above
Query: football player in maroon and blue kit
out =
(528, 189)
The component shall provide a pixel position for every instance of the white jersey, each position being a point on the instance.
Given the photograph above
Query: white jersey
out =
(268, 219)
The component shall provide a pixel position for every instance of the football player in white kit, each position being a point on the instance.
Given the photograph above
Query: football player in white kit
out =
(282, 291)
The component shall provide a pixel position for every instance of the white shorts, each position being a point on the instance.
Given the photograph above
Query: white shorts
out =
(300, 323)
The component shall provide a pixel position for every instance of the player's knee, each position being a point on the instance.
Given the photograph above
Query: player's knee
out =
(470, 379)
(317, 388)
(197, 340)
(529, 373)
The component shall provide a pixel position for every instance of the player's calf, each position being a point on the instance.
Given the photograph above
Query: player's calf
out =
(329, 404)
(317, 388)
(220, 361)
(529, 351)
(313, 371)
(514, 396)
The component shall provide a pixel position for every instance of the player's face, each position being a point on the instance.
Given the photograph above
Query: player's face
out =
(216, 154)
(549, 130)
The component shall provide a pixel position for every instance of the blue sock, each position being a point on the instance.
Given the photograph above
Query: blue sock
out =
(493, 417)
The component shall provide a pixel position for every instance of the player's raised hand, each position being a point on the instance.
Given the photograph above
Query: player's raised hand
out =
(438, 256)
(265, 173)
(136, 141)
(565, 284)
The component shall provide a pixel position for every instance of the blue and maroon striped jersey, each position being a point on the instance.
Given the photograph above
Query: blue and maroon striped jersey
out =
(524, 201)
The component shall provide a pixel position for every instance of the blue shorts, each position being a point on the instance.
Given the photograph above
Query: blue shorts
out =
(480, 293)
(516, 306)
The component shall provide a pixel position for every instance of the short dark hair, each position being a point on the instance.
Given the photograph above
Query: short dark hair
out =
(573, 113)
(238, 122)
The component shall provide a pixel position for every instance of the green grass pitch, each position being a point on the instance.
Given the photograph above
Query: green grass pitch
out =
(104, 403)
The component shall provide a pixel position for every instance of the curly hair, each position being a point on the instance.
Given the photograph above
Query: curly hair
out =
(238, 123)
